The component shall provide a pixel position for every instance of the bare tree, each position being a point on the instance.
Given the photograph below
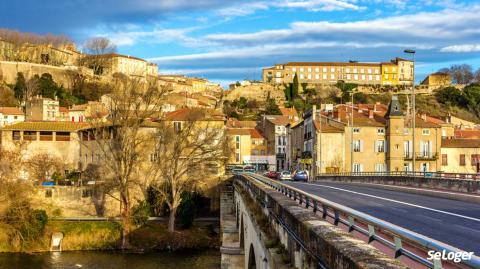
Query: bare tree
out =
(98, 49)
(461, 74)
(121, 142)
(190, 155)
(41, 166)
(19, 38)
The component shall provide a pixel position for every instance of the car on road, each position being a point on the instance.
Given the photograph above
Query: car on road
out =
(249, 169)
(300, 176)
(272, 174)
(285, 175)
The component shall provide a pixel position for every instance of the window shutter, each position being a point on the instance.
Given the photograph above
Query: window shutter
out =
(361, 145)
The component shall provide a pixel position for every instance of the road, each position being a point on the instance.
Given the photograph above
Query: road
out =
(452, 222)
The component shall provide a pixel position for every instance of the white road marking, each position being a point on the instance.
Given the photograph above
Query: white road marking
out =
(395, 201)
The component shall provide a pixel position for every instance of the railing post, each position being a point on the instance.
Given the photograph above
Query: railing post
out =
(315, 208)
(324, 211)
(351, 223)
(398, 247)
(337, 217)
(371, 233)
(437, 263)
(306, 202)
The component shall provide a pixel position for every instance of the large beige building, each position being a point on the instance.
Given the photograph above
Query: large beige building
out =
(397, 72)
(376, 139)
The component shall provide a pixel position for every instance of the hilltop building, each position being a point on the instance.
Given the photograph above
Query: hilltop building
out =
(396, 72)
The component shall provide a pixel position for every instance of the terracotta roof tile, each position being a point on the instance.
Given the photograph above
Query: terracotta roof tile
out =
(470, 134)
(11, 111)
(187, 114)
(61, 126)
(460, 143)
(254, 133)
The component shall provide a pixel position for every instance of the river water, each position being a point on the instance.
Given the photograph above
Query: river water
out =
(112, 260)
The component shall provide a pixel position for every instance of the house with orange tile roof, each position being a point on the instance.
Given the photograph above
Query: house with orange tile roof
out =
(10, 115)
(460, 155)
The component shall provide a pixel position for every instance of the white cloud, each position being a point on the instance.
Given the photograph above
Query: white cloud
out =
(249, 8)
(461, 48)
(446, 25)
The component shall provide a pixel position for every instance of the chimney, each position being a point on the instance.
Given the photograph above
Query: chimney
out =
(370, 114)
(314, 112)
(424, 117)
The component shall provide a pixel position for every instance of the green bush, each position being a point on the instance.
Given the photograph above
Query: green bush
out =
(141, 212)
(186, 211)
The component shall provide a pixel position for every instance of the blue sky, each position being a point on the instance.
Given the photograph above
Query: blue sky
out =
(233, 40)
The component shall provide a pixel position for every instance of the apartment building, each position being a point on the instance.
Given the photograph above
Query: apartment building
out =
(10, 115)
(396, 72)
(40, 108)
(249, 148)
(274, 129)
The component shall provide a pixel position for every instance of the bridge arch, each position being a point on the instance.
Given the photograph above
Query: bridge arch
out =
(252, 261)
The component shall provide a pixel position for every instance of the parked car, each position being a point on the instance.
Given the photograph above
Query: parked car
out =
(272, 174)
(250, 169)
(301, 176)
(286, 175)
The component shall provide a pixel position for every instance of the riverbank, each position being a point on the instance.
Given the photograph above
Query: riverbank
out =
(106, 235)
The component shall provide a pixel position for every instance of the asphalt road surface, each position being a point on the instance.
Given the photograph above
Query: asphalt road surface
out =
(452, 222)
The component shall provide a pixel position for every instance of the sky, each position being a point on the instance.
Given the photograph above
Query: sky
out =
(230, 40)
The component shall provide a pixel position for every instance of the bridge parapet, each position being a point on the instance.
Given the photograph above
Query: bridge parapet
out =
(430, 181)
(309, 241)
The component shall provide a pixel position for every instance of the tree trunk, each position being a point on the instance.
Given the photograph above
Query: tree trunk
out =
(126, 216)
(171, 220)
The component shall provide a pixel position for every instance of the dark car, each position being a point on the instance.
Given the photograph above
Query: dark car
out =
(272, 174)
(300, 176)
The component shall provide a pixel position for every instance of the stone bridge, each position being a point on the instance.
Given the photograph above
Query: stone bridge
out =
(263, 228)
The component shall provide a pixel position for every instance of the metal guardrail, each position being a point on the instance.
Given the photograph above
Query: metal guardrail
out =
(436, 175)
(352, 218)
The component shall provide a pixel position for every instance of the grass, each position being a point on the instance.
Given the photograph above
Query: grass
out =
(155, 236)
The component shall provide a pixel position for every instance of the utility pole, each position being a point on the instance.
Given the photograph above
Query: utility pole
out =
(414, 115)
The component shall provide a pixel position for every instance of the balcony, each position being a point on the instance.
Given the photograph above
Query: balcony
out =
(281, 155)
(426, 156)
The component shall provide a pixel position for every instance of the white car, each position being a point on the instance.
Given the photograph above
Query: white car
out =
(285, 175)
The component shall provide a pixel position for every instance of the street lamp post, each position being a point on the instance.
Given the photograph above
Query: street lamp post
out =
(411, 51)
(351, 135)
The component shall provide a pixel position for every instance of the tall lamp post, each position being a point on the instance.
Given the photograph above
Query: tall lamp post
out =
(412, 52)
(352, 92)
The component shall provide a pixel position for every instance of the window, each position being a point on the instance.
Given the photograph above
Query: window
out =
(376, 71)
(349, 76)
(354, 70)
(46, 136)
(425, 132)
(154, 157)
(317, 69)
(317, 76)
(177, 126)
(15, 117)
(301, 69)
(381, 131)
(332, 76)
(357, 146)
(302, 76)
(370, 77)
(16, 135)
(362, 70)
(332, 69)
(237, 142)
(380, 167)
(324, 69)
(357, 167)
(386, 76)
(309, 76)
(62, 136)
(356, 130)
(444, 159)
(377, 77)
(348, 70)
(475, 159)
(30, 135)
(380, 146)
(462, 160)
(355, 77)
(324, 76)
(309, 69)
(294, 69)
(363, 77)
(386, 68)
(369, 70)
